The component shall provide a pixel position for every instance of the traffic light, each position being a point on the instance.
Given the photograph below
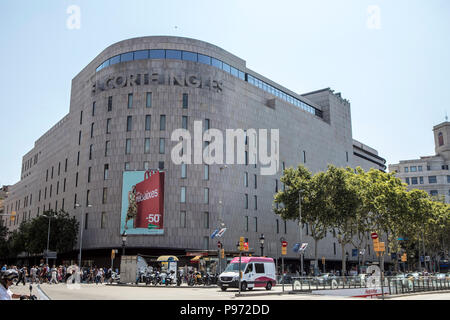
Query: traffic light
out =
(222, 253)
(219, 245)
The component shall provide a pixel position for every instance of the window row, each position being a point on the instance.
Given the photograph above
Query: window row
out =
(204, 59)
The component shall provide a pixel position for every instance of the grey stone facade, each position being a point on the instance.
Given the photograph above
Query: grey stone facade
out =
(304, 138)
(429, 173)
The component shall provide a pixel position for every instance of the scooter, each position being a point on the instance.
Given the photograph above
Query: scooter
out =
(170, 278)
(32, 296)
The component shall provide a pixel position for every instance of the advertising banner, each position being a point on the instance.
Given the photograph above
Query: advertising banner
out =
(142, 202)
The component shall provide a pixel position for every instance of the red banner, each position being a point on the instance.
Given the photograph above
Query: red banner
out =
(150, 201)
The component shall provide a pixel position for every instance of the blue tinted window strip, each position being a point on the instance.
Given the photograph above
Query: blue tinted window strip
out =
(229, 69)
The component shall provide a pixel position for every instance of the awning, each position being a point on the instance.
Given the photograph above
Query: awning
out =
(167, 258)
(196, 258)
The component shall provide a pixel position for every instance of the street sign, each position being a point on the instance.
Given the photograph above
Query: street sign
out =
(303, 247)
(50, 254)
(374, 235)
(354, 252)
(214, 234)
(221, 232)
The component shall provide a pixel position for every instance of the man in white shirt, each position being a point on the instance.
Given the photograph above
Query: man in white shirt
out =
(6, 280)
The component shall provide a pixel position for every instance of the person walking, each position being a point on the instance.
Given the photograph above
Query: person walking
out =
(21, 273)
(54, 273)
(33, 272)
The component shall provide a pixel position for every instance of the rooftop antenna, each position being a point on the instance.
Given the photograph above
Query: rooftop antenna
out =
(446, 116)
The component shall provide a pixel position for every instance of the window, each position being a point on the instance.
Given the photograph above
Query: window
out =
(206, 220)
(206, 195)
(65, 165)
(246, 201)
(90, 151)
(205, 243)
(141, 55)
(421, 180)
(285, 227)
(107, 146)
(346, 155)
(189, 56)
(147, 145)
(148, 120)
(185, 100)
(79, 137)
(278, 225)
(108, 125)
(105, 172)
(127, 166)
(206, 172)
(162, 122)
(184, 122)
(406, 169)
(414, 180)
(440, 139)
(334, 248)
(129, 123)
(103, 221)
(146, 165)
(432, 179)
(93, 108)
(246, 223)
(407, 181)
(162, 145)
(81, 117)
(130, 100)
(157, 54)
(64, 189)
(245, 179)
(173, 54)
(428, 168)
(413, 169)
(207, 124)
(434, 193)
(256, 223)
(216, 63)
(304, 156)
(89, 174)
(448, 179)
(110, 104)
(127, 146)
(259, 267)
(183, 171)
(420, 168)
(255, 198)
(86, 217)
(148, 100)
(76, 183)
(105, 195)
(183, 195)
(204, 59)
(183, 219)
(161, 165)
(87, 197)
(445, 167)
(255, 178)
(124, 57)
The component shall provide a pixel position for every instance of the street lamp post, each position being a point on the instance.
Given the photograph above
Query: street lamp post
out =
(48, 237)
(301, 229)
(346, 260)
(261, 241)
(77, 205)
(124, 241)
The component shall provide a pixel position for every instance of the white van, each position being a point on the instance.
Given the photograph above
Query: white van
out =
(257, 272)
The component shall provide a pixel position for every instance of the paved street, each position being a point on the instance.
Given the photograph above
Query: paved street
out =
(106, 292)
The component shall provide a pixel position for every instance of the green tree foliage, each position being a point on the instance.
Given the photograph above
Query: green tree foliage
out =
(355, 203)
(31, 236)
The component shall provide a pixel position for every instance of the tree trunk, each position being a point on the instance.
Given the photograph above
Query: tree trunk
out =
(344, 269)
(316, 259)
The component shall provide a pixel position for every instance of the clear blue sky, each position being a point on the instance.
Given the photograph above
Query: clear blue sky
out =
(396, 77)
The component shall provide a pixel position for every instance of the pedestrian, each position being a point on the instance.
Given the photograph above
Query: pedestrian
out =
(21, 273)
(33, 272)
(54, 273)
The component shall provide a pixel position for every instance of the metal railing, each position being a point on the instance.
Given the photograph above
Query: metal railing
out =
(395, 285)
(332, 283)
(412, 285)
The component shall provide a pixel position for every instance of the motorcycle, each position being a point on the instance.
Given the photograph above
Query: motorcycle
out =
(179, 279)
(156, 278)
